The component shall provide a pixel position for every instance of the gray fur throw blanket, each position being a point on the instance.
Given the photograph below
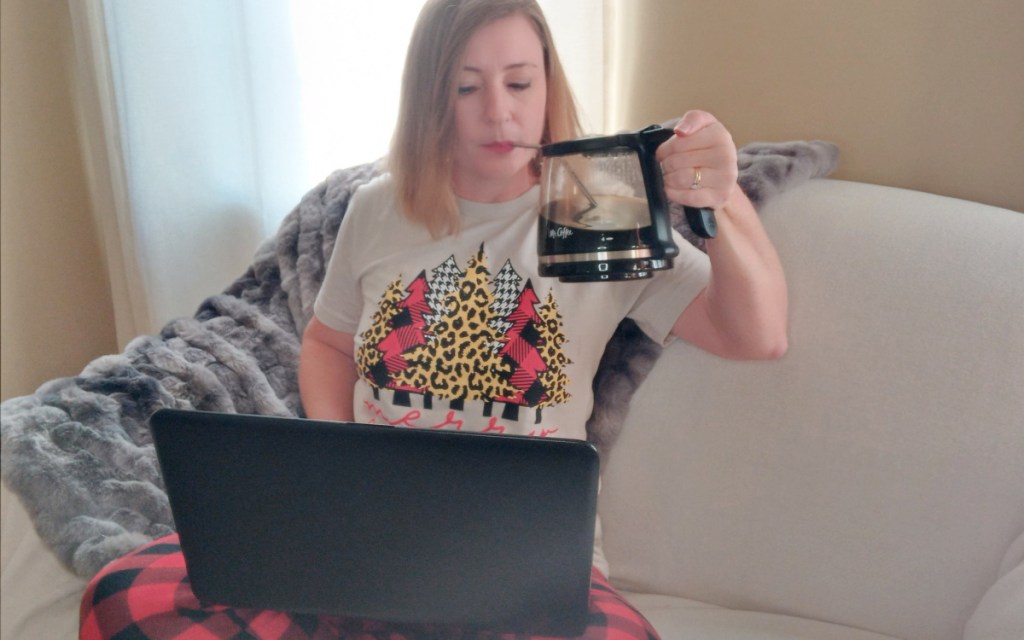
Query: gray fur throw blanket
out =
(78, 451)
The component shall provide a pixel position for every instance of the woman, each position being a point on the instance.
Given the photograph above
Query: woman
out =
(432, 313)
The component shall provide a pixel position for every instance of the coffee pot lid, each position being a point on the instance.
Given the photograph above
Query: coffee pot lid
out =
(632, 141)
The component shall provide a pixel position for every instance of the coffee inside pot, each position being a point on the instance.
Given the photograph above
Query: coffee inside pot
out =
(604, 213)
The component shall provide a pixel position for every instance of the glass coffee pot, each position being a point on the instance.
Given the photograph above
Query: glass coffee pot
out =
(604, 213)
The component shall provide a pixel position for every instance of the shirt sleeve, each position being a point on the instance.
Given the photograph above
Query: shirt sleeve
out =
(339, 303)
(669, 292)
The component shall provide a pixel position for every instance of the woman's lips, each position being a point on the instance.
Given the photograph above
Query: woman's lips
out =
(500, 146)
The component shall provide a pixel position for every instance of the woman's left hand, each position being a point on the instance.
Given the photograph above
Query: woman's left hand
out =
(699, 162)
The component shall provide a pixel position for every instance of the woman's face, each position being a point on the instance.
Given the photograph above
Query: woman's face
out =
(502, 97)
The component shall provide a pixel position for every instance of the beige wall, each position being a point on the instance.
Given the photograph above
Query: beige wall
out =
(925, 94)
(55, 303)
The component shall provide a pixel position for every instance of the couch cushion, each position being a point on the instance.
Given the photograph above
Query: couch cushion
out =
(679, 618)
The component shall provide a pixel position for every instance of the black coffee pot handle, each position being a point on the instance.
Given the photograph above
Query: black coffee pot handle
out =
(701, 220)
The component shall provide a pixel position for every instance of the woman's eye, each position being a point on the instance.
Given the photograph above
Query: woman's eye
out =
(465, 90)
(519, 86)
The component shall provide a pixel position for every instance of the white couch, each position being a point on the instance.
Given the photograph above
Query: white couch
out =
(871, 483)
(868, 485)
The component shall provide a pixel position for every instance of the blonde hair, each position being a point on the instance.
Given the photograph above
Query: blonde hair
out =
(420, 159)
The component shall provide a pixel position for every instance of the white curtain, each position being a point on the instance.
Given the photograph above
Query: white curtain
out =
(204, 121)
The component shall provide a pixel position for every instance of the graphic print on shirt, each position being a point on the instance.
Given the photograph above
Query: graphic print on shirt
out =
(460, 335)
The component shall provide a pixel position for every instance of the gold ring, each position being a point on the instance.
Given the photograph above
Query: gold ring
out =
(696, 179)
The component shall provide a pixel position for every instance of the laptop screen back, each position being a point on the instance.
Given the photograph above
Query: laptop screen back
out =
(392, 524)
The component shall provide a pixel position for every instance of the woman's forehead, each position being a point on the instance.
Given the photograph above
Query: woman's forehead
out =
(505, 44)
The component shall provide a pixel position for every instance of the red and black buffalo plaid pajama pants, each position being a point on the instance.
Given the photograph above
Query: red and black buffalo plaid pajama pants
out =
(146, 595)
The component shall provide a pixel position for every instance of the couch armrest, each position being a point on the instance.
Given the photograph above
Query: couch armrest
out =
(1000, 614)
(40, 597)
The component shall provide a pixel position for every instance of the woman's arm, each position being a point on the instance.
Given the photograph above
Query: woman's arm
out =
(743, 312)
(327, 372)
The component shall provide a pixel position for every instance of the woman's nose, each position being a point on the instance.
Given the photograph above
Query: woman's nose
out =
(497, 108)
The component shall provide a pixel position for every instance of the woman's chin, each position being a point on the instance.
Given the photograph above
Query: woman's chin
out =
(489, 183)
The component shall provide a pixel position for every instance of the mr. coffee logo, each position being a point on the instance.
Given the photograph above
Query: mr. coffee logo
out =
(561, 233)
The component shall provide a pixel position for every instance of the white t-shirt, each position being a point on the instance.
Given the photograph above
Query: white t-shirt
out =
(461, 332)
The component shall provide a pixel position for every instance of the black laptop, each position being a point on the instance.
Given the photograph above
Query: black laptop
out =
(396, 524)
